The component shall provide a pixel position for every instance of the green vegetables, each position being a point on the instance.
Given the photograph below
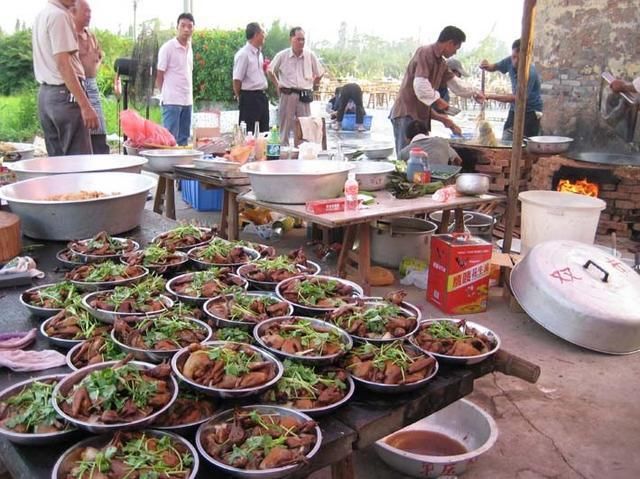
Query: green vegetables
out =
(277, 263)
(235, 335)
(186, 230)
(299, 381)
(57, 295)
(105, 271)
(212, 275)
(375, 318)
(312, 291)
(310, 337)
(140, 293)
(164, 328)
(34, 407)
(236, 363)
(241, 305)
(113, 245)
(154, 255)
(446, 330)
(393, 352)
(403, 189)
(216, 249)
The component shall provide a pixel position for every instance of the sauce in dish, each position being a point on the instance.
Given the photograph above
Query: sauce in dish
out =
(426, 443)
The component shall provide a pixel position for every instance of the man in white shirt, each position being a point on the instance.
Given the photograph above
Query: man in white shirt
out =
(174, 78)
(295, 72)
(65, 112)
(249, 80)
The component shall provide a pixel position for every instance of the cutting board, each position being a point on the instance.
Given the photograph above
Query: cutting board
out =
(10, 239)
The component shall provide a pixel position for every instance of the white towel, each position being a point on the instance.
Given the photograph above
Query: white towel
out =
(311, 129)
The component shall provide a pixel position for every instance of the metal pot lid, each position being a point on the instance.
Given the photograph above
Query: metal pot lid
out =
(606, 158)
(582, 294)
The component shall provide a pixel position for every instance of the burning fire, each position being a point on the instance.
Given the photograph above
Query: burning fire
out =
(581, 187)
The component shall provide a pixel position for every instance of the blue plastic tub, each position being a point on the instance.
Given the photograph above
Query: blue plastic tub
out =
(201, 198)
(349, 121)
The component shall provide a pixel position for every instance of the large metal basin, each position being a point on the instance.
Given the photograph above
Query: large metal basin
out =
(57, 165)
(165, 160)
(297, 181)
(66, 220)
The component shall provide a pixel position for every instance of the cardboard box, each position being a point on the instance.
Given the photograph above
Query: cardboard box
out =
(459, 269)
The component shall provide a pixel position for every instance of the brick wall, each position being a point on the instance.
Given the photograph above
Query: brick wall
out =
(575, 41)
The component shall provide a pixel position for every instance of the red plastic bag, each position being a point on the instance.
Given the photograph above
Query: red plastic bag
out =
(143, 132)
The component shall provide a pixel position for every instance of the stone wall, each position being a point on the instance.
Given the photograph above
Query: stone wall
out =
(575, 41)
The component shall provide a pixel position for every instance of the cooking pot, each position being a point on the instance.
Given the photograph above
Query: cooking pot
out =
(472, 184)
(581, 294)
(477, 224)
(548, 145)
(400, 237)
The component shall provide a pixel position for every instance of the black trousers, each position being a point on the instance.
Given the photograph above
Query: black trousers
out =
(351, 91)
(531, 125)
(254, 106)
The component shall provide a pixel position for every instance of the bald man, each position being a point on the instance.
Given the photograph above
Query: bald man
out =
(91, 57)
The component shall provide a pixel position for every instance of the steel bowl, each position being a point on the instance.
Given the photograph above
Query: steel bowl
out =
(271, 285)
(157, 355)
(399, 388)
(373, 175)
(463, 421)
(548, 145)
(132, 150)
(68, 259)
(60, 472)
(221, 322)
(156, 240)
(97, 258)
(33, 439)
(166, 159)
(38, 310)
(178, 360)
(305, 310)
(253, 474)
(407, 308)
(59, 165)
(104, 285)
(21, 151)
(459, 360)
(163, 269)
(73, 351)
(61, 343)
(70, 380)
(309, 360)
(202, 264)
(296, 182)
(109, 317)
(378, 151)
(472, 184)
(65, 220)
(193, 300)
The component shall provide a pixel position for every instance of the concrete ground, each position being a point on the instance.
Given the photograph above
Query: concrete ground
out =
(580, 420)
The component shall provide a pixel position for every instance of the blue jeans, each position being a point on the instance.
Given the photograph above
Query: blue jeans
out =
(177, 119)
(399, 131)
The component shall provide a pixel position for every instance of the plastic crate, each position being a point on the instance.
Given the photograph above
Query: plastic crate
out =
(349, 121)
(201, 198)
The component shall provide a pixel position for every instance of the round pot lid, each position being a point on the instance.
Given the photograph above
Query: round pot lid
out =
(582, 294)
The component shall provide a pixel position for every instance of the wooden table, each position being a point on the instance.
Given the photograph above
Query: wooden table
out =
(164, 201)
(229, 223)
(365, 419)
(358, 223)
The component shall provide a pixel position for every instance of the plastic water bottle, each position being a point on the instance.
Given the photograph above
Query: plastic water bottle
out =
(351, 192)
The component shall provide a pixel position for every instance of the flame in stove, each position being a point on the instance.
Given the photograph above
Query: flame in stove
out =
(580, 187)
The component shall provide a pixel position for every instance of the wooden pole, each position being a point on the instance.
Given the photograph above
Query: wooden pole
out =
(524, 62)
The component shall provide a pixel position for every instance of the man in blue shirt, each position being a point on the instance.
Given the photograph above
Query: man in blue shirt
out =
(533, 111)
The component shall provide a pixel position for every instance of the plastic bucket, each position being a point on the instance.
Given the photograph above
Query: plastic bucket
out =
(552, 215)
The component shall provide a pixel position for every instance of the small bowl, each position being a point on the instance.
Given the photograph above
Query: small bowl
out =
(178, 360)
(156, 240)
(221, 322)
(201, 264)
(305, 310)
(459, 360)
(462, 421)
(97, 258)
(193, 300)
(110, 316)
(66, 385)
(472, 184)
(61, 343)
(310, 360)
(399, 388)
(59, 472)
(275, 473)
(38, 310)
(68, 258)
(164, 269)
(103, 285)
(157, 355)
(33, 439)
(271, 285)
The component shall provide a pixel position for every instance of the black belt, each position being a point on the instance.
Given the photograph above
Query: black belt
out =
(252, 91)
(290, 91)
(81, 80)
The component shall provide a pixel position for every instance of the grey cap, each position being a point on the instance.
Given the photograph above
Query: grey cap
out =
(454, 64)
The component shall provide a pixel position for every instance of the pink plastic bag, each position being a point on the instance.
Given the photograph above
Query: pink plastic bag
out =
(143, 132)
(445, 194)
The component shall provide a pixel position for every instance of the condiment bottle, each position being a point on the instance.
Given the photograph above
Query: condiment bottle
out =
(415, 165)
(351, 192)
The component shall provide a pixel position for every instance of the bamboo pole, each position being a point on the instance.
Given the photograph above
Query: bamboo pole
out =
(524, 62)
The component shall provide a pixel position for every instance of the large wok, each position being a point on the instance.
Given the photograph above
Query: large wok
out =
(57, 165)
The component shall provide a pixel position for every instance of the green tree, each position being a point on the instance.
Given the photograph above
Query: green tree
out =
(16, 67)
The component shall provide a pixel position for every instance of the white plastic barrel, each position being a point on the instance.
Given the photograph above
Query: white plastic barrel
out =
(552, 215)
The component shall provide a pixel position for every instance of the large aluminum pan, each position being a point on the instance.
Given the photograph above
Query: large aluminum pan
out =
(295, 181)
(59, 165)
(548, 145)
(165, 160)
(65, 220)
(65, 386)
(62, 470)
(221, 322)
(33, 439)
(275, 473)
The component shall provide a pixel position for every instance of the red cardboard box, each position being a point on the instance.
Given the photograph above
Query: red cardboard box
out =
(459, 269)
